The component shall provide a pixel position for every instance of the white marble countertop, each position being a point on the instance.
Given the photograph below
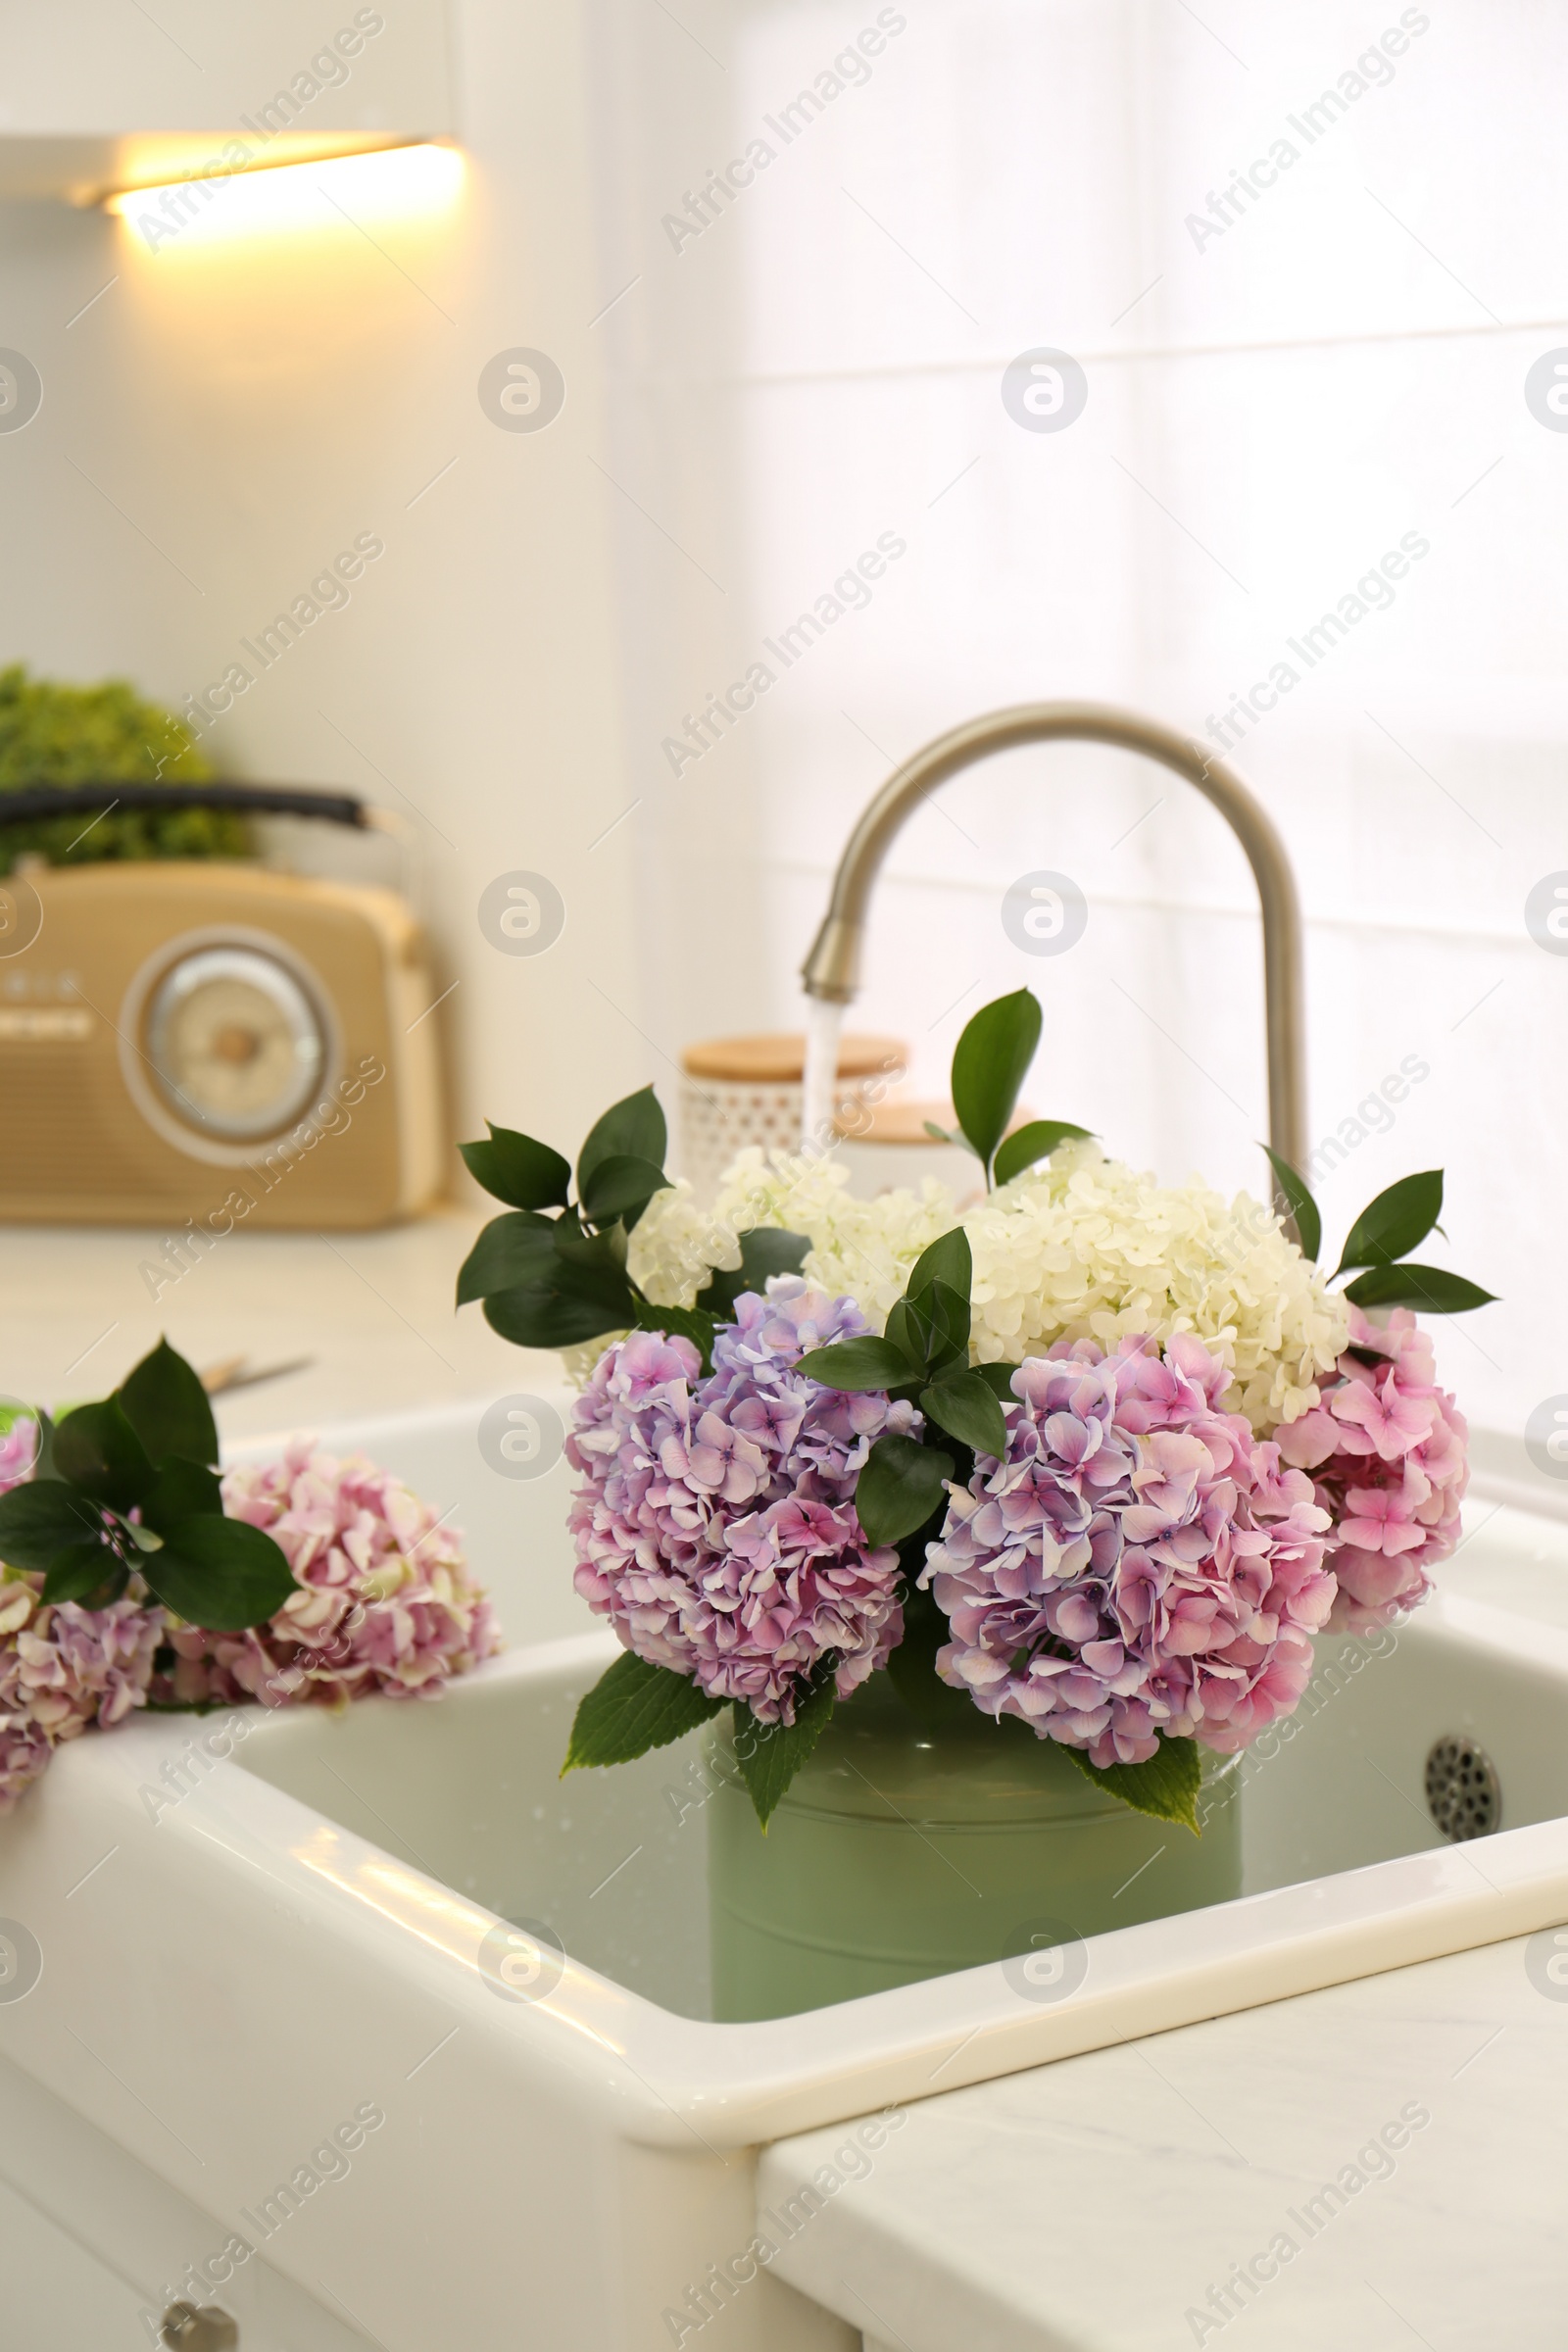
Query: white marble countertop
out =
(1093, 2206)
(373, 1311)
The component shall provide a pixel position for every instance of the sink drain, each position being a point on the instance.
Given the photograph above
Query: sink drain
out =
(1463, 1795)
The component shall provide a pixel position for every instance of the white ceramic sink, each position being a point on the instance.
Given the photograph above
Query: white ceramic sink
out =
(320, 1923)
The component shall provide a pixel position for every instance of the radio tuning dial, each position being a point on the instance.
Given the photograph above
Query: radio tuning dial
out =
(236, 1044)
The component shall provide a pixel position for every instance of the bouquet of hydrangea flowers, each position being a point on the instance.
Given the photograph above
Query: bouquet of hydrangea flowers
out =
(1095, 1455)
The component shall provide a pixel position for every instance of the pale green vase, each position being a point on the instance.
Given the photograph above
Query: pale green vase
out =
(902, 1851)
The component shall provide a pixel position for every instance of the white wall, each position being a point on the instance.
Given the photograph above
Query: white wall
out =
(93, 69)
(234, 411)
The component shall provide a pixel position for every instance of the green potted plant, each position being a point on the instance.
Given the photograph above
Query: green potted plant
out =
(51, 733)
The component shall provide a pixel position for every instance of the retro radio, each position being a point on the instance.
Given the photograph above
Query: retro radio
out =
(200, 1042)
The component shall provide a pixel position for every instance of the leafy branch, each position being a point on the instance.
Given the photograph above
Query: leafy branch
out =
(636, 1706)
(1377, 1247)
(990, 1063)
(922, 1359)
(129, 1486)
(553, 1271)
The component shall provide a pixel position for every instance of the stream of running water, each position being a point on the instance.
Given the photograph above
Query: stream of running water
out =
(823, 1021)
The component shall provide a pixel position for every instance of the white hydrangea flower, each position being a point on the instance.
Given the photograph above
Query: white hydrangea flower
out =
(675, 1243)
(579, 1360)
(861, 1248)
(1079, 1247)
(1084, 1246)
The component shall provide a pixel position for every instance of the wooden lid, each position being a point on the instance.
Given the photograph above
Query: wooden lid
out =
(901, 1120)
(778, 1059)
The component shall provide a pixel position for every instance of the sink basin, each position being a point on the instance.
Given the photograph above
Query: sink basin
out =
(404, 1908)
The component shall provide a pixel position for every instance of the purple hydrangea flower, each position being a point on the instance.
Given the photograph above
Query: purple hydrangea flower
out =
(716, 1527)
(1140, 1563)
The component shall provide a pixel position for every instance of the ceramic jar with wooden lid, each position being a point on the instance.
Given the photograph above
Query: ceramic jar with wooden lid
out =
(737, 1090)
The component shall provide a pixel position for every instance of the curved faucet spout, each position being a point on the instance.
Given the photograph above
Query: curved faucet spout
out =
(832, 970)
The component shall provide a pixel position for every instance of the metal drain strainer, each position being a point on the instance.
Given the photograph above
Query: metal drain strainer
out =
(1463, 1795)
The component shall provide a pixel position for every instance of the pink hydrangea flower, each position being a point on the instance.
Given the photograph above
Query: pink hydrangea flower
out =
(385, 1601)
(1389, 1452)
(25, 1751)
(715, 1526)
(1140, 1563)
(18, 1445)
(62, 1668)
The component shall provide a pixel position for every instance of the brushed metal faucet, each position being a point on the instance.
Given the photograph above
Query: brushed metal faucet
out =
(832, 970)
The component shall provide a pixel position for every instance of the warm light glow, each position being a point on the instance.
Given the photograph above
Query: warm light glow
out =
(439, 1919)
(345, 191)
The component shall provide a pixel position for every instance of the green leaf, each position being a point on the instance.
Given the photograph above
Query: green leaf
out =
(766, 1250)
(543, 1316)
(168, 1410)
(899, 1487)
(77, 1572)
(860, 1365)
(635, 1125)
(97, 1449)
(1395, 1222)
(1304, 1208)
(42, 1519)
(999, 1379)
(180, 1490)
(582, 1292)
(1036, 1141)
(621, 1185)
(517, 1169)
(909, 1333)
(946, 1313)
(966, 1407)
(589, 1264)
(219, 1572)
(510, 1253)
(931, 1328)
(989, 1066)
(632, 1707)
(949, 1259)
(683, 1323)
(771, 1754)
(1166, 1786)
(43, 1461)
(1432, 1288)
